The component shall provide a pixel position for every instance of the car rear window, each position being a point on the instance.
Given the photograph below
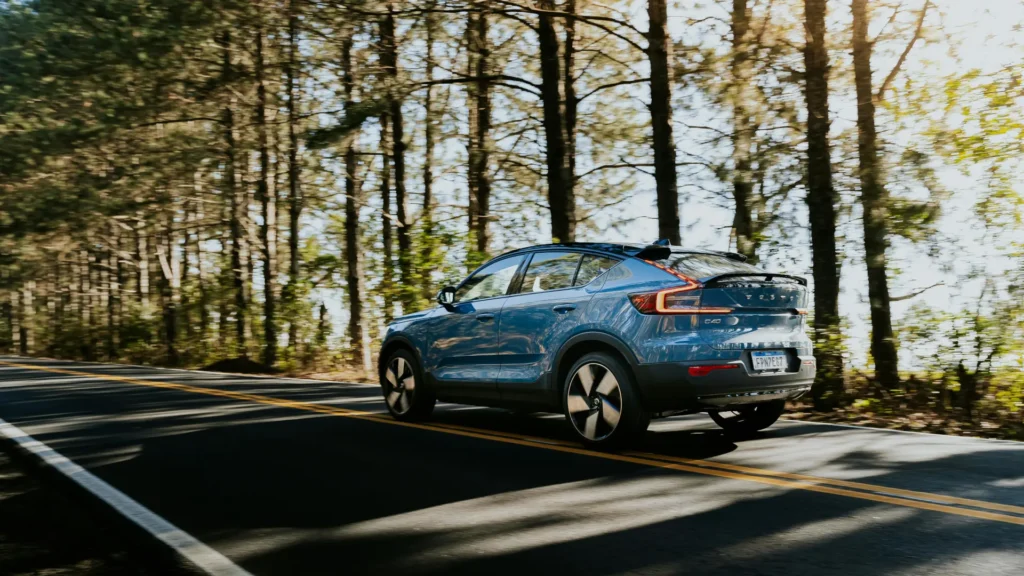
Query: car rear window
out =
(697, 265)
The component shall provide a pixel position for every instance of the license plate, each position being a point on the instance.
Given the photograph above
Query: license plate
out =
(769, 360)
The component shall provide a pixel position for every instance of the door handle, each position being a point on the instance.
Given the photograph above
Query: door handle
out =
(485, 317)
(563, 308)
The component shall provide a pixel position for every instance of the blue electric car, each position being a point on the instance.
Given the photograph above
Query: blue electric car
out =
(611, 335)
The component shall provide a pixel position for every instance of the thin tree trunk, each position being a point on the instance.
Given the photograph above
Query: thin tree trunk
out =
(479, 155)
(390, 63)
(294, 198)
(268, 205)
(141, 273)
(569, 89)
(428, 244)
(57, 321)
(169, 288)
(742, 132)
(821, 208)
(560, 193)
(385, 191)
(658, 52)
(26, 323)
(236, 198)
(114, 286)
(873, 200)
(472, 180)
(353, 275)
(85, 289)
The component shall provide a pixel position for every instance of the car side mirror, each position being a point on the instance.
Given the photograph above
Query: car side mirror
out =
(446, 297)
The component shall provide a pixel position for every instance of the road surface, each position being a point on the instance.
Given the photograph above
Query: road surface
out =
(285, 476)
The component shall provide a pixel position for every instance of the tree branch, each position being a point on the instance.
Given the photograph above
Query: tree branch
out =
(611, 85)
(915, 293)
(910, 45)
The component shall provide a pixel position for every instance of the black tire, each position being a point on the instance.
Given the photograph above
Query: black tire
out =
(751, 419)
(406, 403)
(592, 409)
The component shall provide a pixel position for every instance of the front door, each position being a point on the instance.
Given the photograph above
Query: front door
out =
(463, 345)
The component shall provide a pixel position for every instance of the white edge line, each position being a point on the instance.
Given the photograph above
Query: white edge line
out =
(206, 558)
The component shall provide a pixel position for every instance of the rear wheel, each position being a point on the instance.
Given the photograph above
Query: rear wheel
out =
(750, 419)
(601, 403)
(405, 393)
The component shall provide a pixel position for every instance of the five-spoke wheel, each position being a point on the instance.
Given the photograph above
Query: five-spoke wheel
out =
(599, 400)
(404, 393)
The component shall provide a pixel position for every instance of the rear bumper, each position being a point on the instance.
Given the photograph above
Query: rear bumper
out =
(669, 386)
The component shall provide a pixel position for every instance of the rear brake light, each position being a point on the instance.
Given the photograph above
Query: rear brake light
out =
(680, 300)
(709, 368)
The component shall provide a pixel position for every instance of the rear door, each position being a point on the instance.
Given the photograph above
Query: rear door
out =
(540, 316)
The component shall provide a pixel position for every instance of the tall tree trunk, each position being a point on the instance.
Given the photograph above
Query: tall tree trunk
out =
(141, 273)
(236, 212)
(821, 208)
(742, 132)
(388, 279)
(85, 289)
(561, 200)
(169, 286)
(471, 147)
(479, 153)
(873, 200)
(353, 275)
(658, 52)
(26, 323)
(115, 282)
(407, 296)
(268, 205)
(294, 191)
(569, 89)
(427, 216)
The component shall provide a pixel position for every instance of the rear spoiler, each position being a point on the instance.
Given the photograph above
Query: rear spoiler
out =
(649, 252)
(662, 251)
(768, 277)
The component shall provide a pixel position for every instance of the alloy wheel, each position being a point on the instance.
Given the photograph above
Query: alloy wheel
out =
(594, 401)
(401, 385)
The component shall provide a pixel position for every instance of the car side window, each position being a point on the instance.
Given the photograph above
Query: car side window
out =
(490, 281)
(550, 271)
(592, 267)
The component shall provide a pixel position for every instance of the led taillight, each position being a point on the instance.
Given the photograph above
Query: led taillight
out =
(680, 300)
(709, 368)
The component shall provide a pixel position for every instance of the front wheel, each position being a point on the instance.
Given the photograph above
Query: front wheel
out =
(601, 403)
(405, 393)
(749, 419)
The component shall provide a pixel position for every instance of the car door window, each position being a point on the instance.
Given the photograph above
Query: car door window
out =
(592, 267)
(550, 271)
(490, 281)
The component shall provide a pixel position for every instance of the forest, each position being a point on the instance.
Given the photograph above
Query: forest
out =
(189, 181)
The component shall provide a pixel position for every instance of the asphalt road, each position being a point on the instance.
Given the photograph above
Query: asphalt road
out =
(287, 476)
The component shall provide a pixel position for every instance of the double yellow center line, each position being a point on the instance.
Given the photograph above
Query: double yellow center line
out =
(860, 490)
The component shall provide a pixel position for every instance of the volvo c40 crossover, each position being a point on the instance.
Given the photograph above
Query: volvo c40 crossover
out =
(611, 336)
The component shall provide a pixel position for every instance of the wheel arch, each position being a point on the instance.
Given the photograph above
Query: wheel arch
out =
(393, 344)
(585, 343)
